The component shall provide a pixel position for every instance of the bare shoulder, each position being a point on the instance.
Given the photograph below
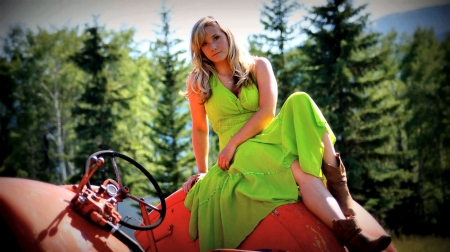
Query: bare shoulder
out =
(262, 63)
(261, 60)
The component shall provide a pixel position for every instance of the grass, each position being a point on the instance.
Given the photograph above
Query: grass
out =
(421, 244)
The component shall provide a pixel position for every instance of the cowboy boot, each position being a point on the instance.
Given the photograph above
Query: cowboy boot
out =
(337, 185)
(350, 235)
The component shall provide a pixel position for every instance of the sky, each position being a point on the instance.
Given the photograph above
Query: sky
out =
(241, 16)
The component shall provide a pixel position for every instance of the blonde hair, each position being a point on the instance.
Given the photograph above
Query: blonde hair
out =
(240, 63)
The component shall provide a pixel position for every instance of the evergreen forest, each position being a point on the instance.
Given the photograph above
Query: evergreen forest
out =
(70, 92)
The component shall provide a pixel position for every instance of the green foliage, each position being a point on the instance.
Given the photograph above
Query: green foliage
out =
(169, 132)
(423, 63)
(96, 122)
(345, 71)
(25, 131)
(414, 243)
(275, 42)
(7, 112)
(131, 93)
(40, 81)
(130, 75)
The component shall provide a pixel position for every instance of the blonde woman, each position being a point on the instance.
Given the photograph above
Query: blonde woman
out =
(265, 160)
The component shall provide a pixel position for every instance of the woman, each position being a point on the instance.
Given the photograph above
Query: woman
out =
(265, 160)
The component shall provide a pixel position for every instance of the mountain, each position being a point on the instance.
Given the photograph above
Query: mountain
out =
(436, 17)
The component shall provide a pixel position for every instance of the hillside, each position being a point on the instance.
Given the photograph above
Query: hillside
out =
(437, 17)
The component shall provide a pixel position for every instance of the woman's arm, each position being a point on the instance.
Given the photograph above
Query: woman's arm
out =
(199, 135)
(268, 92)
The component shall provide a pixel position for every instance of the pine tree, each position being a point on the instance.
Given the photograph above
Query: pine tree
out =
(128, 81)
(172, 147)
(343, 72)
(444, 154)
(274, 44)
(423, 71)
(95, 121)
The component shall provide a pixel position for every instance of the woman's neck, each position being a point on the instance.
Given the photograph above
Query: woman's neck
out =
(223, 68)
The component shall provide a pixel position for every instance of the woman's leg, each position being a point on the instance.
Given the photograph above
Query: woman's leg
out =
(316, 196)
(334, 171)
(329, 154)
(370, 225)
(321, 203)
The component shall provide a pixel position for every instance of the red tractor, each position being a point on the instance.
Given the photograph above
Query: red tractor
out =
(38, 216)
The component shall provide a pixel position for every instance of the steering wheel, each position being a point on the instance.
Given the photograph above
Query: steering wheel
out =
(125, 191)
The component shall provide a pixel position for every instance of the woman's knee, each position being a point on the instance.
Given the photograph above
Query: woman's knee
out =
(299, 101)
(302, 96)
(301, 177)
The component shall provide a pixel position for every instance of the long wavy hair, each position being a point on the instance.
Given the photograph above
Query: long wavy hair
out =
(241, 64)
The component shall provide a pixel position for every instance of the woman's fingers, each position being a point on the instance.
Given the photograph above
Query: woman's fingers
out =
(224, 164)
(188, 184)
(225, 157)
(185, 187)
(192, 180)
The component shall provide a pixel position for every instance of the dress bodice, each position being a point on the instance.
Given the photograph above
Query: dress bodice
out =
(226, 112)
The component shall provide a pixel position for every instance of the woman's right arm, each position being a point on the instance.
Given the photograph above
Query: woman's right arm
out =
(200, 132)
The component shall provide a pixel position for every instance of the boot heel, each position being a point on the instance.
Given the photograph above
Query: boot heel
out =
(350, 235)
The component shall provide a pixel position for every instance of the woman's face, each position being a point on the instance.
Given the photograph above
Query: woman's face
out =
(215, 46)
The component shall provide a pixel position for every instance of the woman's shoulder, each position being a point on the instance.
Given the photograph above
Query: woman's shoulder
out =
(261, 63)
(259, 60)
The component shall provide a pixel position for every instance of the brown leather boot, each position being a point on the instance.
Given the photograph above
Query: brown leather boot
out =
(349, 234)
(337, 185)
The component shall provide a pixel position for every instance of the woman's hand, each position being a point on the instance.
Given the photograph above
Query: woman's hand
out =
(191, 181)
(267, 88)
(225, 156)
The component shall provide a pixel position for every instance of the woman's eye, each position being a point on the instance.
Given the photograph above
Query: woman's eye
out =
(217, 37)
(203, 44)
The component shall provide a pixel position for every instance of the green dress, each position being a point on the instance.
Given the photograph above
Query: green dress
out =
(226, 206)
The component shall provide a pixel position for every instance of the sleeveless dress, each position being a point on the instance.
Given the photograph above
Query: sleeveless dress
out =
(226, 206)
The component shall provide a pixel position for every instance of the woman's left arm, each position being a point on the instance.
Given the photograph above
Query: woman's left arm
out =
(268, 92)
